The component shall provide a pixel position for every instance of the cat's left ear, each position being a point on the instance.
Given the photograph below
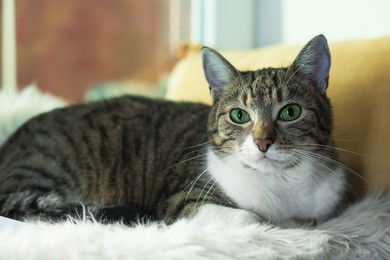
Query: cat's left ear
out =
(313, 62)
(218, 71)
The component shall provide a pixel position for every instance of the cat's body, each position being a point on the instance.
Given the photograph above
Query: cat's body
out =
(125, 151)
(264, 147)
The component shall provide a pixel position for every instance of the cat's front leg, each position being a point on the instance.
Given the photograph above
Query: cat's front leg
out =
(212, 213)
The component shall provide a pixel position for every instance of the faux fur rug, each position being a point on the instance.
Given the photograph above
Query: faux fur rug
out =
(17, 107)
(361, 232)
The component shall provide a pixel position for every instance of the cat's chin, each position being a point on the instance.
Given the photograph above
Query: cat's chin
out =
(272, 161)
(269, 162)
(264, 164)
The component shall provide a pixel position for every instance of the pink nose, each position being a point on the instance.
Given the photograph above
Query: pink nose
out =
(263, 144)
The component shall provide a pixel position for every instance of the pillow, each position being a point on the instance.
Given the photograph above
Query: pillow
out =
(359, 88)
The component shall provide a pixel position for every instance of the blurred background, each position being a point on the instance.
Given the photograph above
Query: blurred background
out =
(68, 47)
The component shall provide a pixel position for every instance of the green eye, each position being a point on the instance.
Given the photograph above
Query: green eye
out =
(239, 116)
(290, 112)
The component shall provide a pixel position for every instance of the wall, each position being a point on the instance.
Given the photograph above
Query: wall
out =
(69, 46)
(230, 24)
(338, 20)
(226, 24)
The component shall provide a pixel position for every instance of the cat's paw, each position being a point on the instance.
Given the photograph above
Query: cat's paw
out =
(210, 213)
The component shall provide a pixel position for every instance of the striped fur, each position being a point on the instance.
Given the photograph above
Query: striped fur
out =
(134, 156)
(126, 151)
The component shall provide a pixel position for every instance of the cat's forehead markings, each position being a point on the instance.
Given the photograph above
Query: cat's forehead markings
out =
(257, 81)
(277, 94)
(248, 99)
(254, 88)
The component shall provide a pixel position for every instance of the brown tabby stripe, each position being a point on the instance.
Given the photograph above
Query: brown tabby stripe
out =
(131, 153)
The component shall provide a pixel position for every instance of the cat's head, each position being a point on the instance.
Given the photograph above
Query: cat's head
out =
(271, 118)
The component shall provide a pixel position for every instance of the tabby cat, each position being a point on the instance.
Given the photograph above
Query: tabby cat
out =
(264, 150)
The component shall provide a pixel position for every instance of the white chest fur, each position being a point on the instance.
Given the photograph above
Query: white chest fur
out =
(299, 192)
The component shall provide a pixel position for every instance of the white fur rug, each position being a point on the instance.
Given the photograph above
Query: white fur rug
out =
(17, 107)
(361, 232)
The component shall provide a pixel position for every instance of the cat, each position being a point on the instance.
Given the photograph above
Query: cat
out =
(262, 152)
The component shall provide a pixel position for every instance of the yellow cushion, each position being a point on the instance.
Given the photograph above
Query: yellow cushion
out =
(359, 88)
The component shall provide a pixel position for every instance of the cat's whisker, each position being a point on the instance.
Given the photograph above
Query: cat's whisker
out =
(309, 173)
(343, 140)
(318, 170)
(322, 165)
(232, 156)
(216, 188)
(337, 149)
(187, 160)
(201, 192)
(312, 157)
(207, 196)
(193, 182)
(335, 162)
(202, 150)
(304, 169)
(315, 156)
(195, 146)
(207, 148)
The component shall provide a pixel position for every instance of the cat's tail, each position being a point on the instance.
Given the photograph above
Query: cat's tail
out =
(16, 107)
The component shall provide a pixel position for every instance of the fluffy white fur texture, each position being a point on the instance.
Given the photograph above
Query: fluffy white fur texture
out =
(361, 232)
(16, 107)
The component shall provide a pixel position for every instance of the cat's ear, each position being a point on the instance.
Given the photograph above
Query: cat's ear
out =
(313, 62)
(218, 71)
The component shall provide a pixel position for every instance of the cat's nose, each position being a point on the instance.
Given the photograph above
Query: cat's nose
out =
(263, 144)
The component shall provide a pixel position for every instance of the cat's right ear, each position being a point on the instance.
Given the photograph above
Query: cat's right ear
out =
(218, 71)
(313, 62)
